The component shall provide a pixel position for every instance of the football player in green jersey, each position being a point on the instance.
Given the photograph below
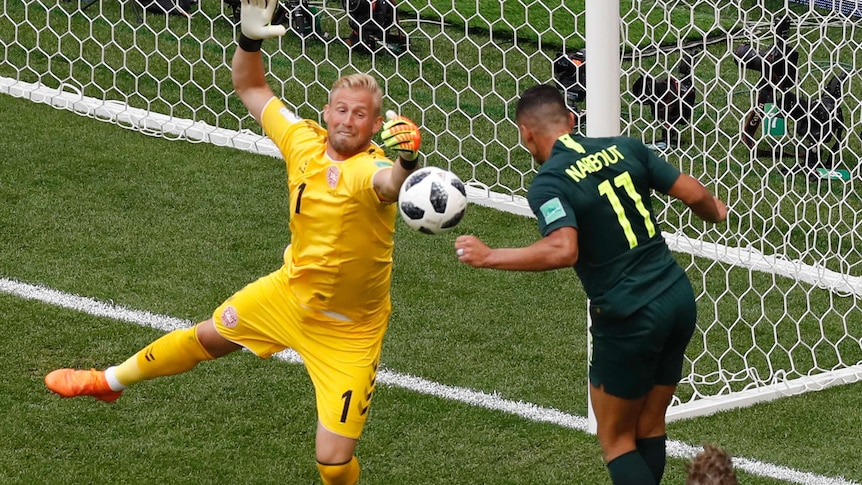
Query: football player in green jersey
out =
(592, 200)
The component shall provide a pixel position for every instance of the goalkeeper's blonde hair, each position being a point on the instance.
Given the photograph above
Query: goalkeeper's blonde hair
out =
(360, 81)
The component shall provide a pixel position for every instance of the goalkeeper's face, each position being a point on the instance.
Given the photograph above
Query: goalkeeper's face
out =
(352, 119)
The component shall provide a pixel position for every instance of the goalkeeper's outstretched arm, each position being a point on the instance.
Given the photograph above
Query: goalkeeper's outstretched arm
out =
(247, 71)
(249, 81)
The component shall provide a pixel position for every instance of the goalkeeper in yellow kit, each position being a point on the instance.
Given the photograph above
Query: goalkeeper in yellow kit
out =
(330, 300)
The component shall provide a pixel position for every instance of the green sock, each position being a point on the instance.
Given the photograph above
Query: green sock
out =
(654, 454)
(630, 469)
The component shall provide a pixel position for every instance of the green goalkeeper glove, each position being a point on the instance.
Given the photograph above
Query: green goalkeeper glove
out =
(255, 18)
(403, 135)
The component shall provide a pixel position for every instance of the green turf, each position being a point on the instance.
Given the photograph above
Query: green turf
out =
(174, 228)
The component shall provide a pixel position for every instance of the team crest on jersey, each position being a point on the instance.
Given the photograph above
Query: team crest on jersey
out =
(229, 317)
(332, 175)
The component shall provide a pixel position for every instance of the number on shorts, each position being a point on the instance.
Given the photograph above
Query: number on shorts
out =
(346, 397)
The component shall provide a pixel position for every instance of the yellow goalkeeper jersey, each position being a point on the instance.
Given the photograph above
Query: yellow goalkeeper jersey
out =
(340, 255)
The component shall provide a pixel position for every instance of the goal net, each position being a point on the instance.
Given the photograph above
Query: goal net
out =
(759, 99)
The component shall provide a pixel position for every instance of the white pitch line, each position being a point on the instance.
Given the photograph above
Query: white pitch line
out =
(494, 402)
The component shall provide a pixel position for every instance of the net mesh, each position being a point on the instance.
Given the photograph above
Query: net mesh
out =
(759, 99)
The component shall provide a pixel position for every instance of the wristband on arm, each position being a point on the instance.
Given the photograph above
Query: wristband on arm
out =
(408, 164)
(249, 45)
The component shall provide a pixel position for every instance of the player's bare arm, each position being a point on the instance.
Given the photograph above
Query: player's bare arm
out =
(557, 250)
(247, 71)
(701, 201)
(387, 182)
(249, 82)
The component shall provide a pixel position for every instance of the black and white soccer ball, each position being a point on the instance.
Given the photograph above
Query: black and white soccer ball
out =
(432, 200)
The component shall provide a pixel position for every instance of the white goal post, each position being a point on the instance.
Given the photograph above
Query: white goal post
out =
(772, 126)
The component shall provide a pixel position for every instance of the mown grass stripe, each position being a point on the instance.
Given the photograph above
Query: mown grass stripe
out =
(494, 402)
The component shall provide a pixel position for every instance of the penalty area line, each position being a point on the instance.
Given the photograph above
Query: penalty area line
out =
(389, 377)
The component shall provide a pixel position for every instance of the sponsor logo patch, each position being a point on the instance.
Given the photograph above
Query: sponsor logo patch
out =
(229, 317)
(552, 210)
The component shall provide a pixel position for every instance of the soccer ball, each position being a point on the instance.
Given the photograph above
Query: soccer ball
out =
(432, 200)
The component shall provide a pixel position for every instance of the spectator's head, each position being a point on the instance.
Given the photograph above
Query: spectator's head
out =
(712, 466)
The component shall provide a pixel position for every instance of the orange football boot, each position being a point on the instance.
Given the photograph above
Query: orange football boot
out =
(71, 383)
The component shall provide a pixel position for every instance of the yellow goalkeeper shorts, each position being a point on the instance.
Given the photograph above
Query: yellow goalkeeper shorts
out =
(341, 356)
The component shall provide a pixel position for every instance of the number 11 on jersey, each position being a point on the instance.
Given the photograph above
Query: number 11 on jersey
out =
(624, 181)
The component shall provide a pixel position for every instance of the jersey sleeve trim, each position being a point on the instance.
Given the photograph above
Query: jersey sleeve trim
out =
(265, 106)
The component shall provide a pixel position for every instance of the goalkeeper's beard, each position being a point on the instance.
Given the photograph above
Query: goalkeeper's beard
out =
(347, 146)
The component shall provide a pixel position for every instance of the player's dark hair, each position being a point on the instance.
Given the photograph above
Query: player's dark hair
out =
(543, 104)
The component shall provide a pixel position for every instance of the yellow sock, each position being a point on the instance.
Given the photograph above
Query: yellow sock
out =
(346, 474)
(172, 353)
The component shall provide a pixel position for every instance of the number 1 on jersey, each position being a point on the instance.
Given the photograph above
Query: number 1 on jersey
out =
(624, 181)
(299, 197)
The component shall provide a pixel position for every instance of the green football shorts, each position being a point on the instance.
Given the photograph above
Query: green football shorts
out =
(647, 348)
